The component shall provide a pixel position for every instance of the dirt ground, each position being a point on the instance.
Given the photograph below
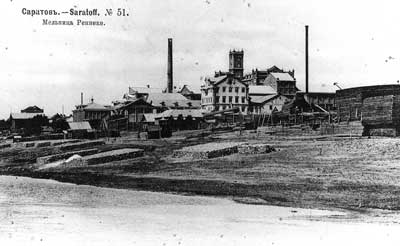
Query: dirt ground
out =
(306, 171)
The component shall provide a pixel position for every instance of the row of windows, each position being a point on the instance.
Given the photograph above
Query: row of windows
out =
(206, 100)
(230, 99)
(243, 108)
(230, 89)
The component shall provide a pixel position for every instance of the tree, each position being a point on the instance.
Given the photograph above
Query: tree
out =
(37, 122)
(59, 123)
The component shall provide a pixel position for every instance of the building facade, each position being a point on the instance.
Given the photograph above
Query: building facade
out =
(92, 112)
(283, 83)
(268, 104)
(224, 92)
(257, 77)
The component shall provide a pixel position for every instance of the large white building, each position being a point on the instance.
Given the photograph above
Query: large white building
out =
(225, 89)
(224, 92)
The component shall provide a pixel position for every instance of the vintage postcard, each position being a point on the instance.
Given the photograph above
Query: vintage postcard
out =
(202, 122)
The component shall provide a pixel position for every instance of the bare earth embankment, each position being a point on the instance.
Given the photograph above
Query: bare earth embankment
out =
(312, 172)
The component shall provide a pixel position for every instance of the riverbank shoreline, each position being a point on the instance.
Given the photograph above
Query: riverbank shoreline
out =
(354, 174)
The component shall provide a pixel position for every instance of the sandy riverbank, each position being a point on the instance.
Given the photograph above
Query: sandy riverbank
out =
(45, 212)
(307, 172)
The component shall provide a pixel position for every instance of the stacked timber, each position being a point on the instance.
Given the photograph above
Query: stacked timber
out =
(114, 155)
(255, 149)
(57, 157)
(206, 151)
(350, 102)
(81, 145)
(378, 110)
(213, 150)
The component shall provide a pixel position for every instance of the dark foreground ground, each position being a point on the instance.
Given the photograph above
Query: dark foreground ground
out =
(312, 172)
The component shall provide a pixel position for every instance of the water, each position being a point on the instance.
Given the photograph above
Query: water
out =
(44, 212)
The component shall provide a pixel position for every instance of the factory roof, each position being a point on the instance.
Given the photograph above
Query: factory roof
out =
(263, 99)
(24, 116)
(261, 90)
(283, 76)
(83, 125)
(175, 113)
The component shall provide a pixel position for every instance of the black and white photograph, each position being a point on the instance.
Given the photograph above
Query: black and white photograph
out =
(201, 122)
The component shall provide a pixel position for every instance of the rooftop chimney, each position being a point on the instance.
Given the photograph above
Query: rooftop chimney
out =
(306, 59)
(170, 69)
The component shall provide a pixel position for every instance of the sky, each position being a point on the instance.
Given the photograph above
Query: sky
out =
(354, 43)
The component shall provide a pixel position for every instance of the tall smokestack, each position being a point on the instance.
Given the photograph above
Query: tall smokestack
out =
(306, 59)
(81, 98)
(170, 84)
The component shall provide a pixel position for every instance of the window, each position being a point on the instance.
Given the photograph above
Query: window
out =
(223, 99)
(216, 89)
(223, 89)
(236, 99)
(216, 108)
(243, 99)
(230, 89)
(270, 107)
(243, 90)
(237, 89)
(217, 99)
(243, 108)
(230, 99)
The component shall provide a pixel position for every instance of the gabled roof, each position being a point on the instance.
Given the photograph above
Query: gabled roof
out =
(185, 89)
(168, 99)
(283, 76)
(149, 117)
(274, 69)
(175, 113)
(83, 125)
(96, 107)
(144, 90)
(24, 116)
(263, 99)
(32, 109)
(127, 103)
(261, 90)
(219, 79)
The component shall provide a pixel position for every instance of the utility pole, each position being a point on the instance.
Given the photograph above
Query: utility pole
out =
(306, 59)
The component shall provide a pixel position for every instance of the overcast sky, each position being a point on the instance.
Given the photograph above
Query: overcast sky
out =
(351, 42)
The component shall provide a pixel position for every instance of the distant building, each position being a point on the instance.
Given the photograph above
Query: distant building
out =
(32, 109)
(92, 112)
(267, 104)
(160, 100)
(223, 92)
(180, 119)
(257, 77)
(323, 100)
(264, 99)
(24, 120)
(282, 83)
(129, 113)
(188, 93)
